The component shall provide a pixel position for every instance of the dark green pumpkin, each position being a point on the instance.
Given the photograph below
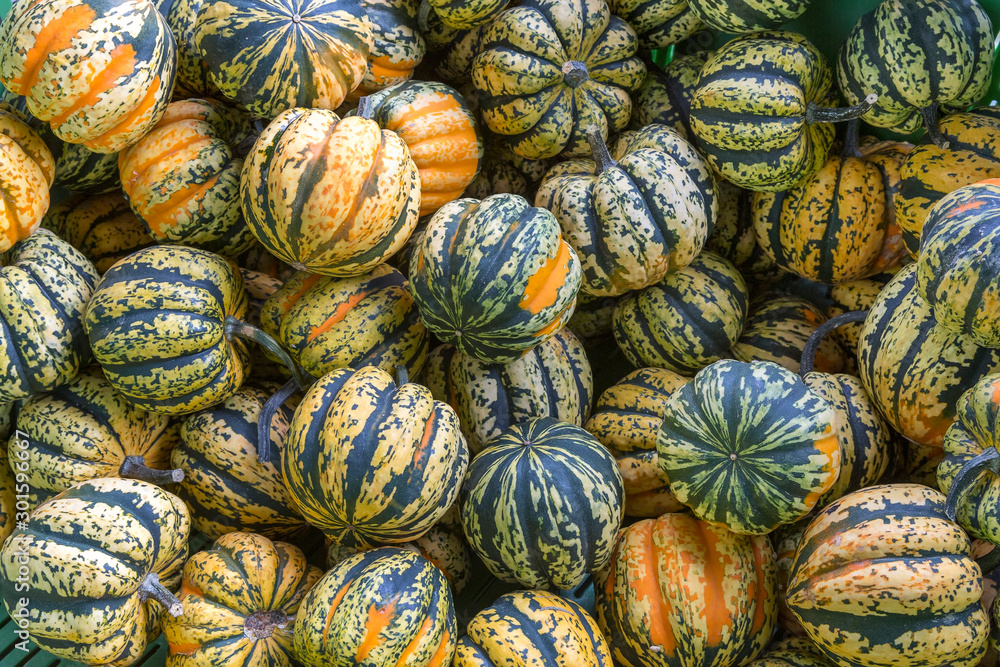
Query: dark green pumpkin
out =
(777, 330)
(659, 24)
(665, 95)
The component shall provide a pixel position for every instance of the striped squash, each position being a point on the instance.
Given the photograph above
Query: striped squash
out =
(916, 463)
(162, 325)
(542, 504)
(553, 379)
(734, 238)
(463, 14)
(855, 295)
(494, 277)
(740, 16)
(659, 24)
(193, 78)
(882, 577)
(45, 284)
(918, 56)
(792, 652)
(546, 77)
(112, 547)
(635, 217)
(183, 178)
(914, 369)
(439, 130)
(349, 419)
(390, 607)
(665, 95)
(532, 628)
(680, 591)
(103, 228)
(750, 446)
(397, 45)
(455, 48)
(270, 56)
(27, 170)
(686, 321)
(786, 540)
(240, 598)
(592, 319)
(330, 196)
(225, 485)
(327, 323)
(777, 330)
(100, 72)
(626, 420)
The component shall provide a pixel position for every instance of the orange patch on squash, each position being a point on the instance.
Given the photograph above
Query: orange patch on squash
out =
(379, 619)
(52, 38)
(183, 649)
(187, 588)
(122, 64)
(338, 316)
(759, 592)
(333, 607)
(542, 289)
(647, 588)
(148, 101)
(827, 446)
(442, 652)
(425, 627)
(970, 205)
(715, 612)
(164, 213)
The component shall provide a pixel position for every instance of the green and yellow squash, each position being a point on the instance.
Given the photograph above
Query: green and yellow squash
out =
(8, 488)
(505, 172)
(851, 296)
(785, 540)
(542, 504)
(734, 238)
(463, 14)
(593, 317)
(659, 24)
(777, 330)
(792, 652)
(740, 16)
(665, 95)
(455, 48)
(193, 78)
(27, 170)
(397, 45)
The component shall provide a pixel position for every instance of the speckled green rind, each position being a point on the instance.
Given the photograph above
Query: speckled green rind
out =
(45, 284)
(494, 277)
(855, 295)
(915, 370)
(387, 606)
(686, 321)
(553, 379)
(777, 330)
(665, 95)
(592, 319)
(466, 14)
(156, 324)
(660, 23)
(748, 111)
(792, 652)
(740, 16)
(193, 79)
(8, 485)
(532, 628)
(347, 420)
(734, 238)
(542, 504)
(519, 68)
(88, 550)
(914, 54)
(456, 48)
(749, 446)
(225, 486)
(397, 46)
(883, 579)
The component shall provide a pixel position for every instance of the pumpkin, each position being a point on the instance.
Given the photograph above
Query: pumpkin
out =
(739, 16)
(851, 296)
(100, 74)
(626, 420)
(758, 110)
(546, 77)
(464, 14)
(658, 24)
(397, 45)
(27, 168)
(193, 78)
(240, 597)
(593, 317)
(542, 504)
(882, 577)
(527, 628)
(914, 369)
(792, 652)
(330, 196)
(686, 321)
(45, 284)
(439, 130)
(225, 485)
(917, 56)
(733, 237)
(183, 178)
(777, 330)
(553, 379)
(680, 591)
(748, 445)
(350, 418)
(494, 277)
(665, 96)
(391, 607)
(111, 547)
(103, 228)
(629, 225)
(273, 56)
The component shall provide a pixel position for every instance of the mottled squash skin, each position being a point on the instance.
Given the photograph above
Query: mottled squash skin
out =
(398, 47)
(777, 329)
(27, 170)
(102, 227)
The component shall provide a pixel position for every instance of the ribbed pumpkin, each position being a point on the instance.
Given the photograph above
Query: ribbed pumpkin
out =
(914, 369)
(183, 178)
(547, 77)
(494, 277)
(45, 284)
(626, 419)
(397, 45)
(347, 420)
(240, 597)
(529, 628)
(103, 228)
(270, 56)
(330, 196)
(542, 504)
(665, 96)
(225, 485)
(918, 56)
(553, 379)
(629, 224)
(27, 169)
(112, 546)
(680, 591)
(390, 607)
(739, 16)
(100, 73)
(193, 79)
(659, 24)
(792, 652)
(686, 321)
(749, 446)
(777, 330)
(882, 578)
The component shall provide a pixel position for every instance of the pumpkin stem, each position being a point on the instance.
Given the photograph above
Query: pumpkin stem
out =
(152, 588)
(812, 344)
(990, 561)
(261, 624)
(236, 327)
(851, 138)
(602, 156)
(574, 73)
(402, 376)
(818, 114)
(989, 460)
(267, 416)
(365, 108)
(930, 115)
(134, 467)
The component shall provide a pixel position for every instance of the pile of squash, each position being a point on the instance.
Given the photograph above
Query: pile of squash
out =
(386, 301)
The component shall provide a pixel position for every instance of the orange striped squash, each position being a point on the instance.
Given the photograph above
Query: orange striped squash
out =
(27, 169)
